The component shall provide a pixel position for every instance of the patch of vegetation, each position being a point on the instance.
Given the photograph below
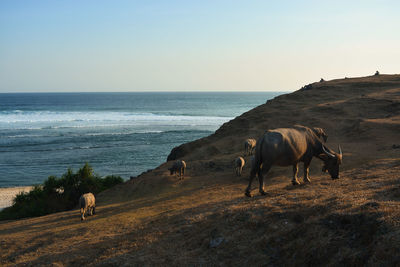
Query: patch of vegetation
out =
(58, 194)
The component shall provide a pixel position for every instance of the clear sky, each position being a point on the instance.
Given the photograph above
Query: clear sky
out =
(57, 46)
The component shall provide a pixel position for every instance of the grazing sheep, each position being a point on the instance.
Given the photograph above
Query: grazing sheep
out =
(239, 164)
(178, 166)
(87, 203)
(249, 146)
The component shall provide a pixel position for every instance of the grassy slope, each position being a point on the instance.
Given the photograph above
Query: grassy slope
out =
(158, 219)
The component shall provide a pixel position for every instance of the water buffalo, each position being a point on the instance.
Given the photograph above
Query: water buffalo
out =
(238, 165)
(249, 146)
(87, 203)
(179, 166)
(289, 146)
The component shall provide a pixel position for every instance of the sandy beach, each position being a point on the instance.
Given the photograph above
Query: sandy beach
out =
(7, 195)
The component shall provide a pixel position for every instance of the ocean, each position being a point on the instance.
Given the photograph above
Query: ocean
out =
(43, 134)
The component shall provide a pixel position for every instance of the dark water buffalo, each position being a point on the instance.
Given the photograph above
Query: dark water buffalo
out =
(289, 146)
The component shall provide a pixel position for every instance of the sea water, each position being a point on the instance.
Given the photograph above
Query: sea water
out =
(43, 134)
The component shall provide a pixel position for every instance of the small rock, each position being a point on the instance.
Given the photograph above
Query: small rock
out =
(214, 233)
(216, 242)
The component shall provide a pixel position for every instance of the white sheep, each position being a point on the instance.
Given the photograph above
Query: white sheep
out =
(87, 203)
(238, 165)
(249, 146)
(179, 166)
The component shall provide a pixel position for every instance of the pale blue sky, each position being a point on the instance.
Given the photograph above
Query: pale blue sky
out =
(56, 46)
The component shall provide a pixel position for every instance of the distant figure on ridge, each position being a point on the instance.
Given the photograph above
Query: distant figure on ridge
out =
(306, 87)
(178, 166)
(87, 203)
(376, 73)
(238, 165)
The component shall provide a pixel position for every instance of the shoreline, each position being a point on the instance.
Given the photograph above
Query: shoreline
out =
(7, 194)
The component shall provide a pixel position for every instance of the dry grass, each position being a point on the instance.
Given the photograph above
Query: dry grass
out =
(206, 220)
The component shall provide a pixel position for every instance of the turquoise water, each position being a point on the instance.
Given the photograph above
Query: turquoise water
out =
(117, 133)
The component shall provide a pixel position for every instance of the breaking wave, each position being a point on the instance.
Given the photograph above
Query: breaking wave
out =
(20, 120)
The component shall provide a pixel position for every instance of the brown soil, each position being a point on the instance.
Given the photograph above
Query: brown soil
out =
(205, 219)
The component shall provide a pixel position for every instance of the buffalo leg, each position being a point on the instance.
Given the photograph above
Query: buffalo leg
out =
(306, 171)
(248, 189)
(261, 178)
(295, 171)
(261, 183)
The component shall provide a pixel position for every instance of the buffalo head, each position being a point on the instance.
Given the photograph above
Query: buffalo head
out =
(332, 162)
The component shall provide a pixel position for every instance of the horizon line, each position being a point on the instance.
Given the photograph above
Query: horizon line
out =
(161, 91)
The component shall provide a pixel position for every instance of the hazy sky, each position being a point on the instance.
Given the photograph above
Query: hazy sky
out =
(193, 45)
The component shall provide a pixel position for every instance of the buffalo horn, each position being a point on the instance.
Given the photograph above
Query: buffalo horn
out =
(328, 153)
(340, 151)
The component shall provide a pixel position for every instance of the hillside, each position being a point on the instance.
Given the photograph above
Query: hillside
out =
(205, 219)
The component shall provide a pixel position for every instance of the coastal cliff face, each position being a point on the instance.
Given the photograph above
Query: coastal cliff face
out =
(157, 219)
(350, 110)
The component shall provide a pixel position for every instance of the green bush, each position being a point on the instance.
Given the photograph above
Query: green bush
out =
(58, 194)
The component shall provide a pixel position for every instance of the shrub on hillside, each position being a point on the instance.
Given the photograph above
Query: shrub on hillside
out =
(58, 194)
